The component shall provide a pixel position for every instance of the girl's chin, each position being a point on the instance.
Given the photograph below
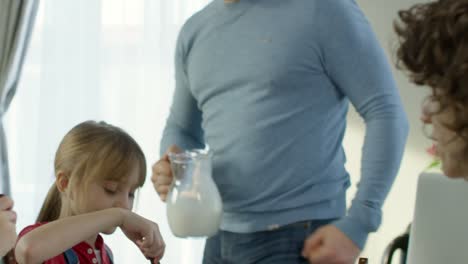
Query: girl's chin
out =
(453, 172)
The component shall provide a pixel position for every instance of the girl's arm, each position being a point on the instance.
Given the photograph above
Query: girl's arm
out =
(54, 238)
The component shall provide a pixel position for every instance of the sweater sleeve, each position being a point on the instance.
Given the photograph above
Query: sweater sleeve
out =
(183, 126)
(356, 64)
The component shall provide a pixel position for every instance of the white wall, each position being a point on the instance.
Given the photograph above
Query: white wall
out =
(398, 209)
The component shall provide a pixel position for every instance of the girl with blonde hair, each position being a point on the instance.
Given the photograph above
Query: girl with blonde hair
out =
(98, 168)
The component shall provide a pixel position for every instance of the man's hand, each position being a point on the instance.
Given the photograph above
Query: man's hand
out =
(328, 245)
(162, 173)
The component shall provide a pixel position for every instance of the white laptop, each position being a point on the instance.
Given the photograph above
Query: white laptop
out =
(439, 233)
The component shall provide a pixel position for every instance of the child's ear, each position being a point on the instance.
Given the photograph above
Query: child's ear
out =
(62, 181)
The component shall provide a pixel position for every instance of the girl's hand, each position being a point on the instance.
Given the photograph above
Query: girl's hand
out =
(7, 225)
(145, 234)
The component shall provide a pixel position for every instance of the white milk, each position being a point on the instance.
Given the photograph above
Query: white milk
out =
(194, 206)
(190, 216)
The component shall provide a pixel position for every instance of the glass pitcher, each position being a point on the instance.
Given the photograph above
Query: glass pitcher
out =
(194, 206)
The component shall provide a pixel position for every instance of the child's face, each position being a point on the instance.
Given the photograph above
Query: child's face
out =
(106, 194)
(449, 146)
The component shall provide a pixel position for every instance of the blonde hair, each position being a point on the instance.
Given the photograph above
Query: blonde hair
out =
(93, 151)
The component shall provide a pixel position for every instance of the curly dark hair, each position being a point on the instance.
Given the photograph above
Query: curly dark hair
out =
(433, 48)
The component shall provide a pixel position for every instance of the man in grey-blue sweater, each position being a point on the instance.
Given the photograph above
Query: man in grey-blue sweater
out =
(266, 85)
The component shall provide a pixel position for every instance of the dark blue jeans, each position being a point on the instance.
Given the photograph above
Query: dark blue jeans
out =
(279, 246)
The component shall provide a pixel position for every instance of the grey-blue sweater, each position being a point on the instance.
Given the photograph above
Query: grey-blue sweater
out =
(266, 84)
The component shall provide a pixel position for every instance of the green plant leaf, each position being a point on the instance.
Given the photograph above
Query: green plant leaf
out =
(434, 164)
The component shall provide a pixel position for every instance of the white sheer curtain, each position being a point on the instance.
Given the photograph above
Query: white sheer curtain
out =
(106, 60)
